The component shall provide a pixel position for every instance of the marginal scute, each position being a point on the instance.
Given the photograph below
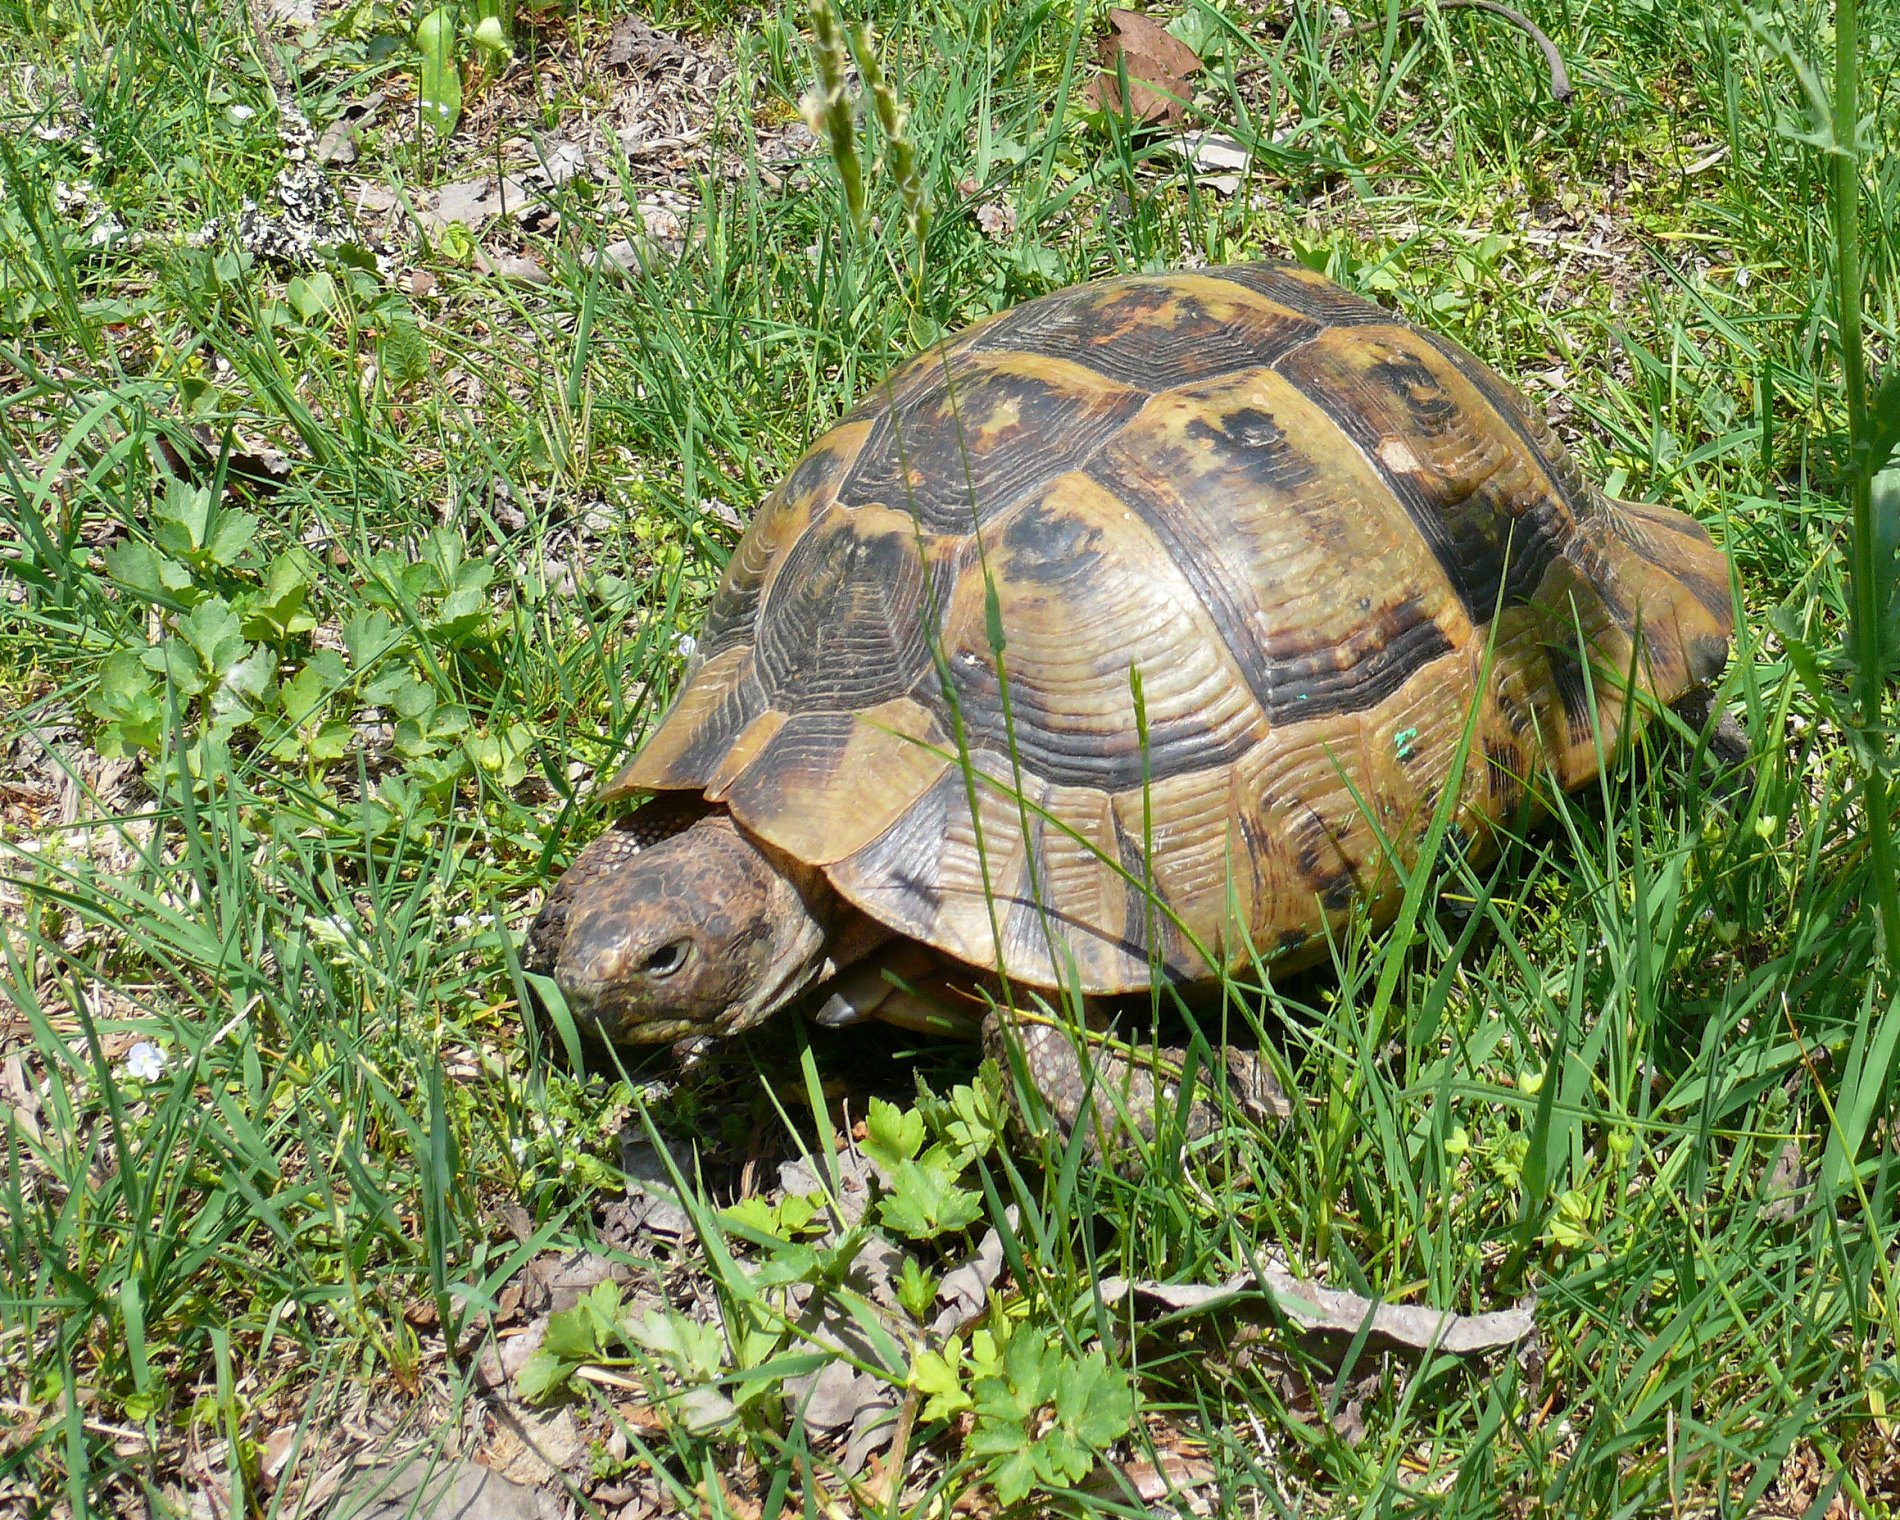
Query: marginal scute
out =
(719, 699)
(1301, 290)
(847, 622)
(1346, 562)
(825, 784)
(782, 517)
(1203, 868)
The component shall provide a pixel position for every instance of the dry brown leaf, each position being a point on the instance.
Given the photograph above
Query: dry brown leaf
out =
(998, 221)
(1787, 1187)
(1173, 1477)
(1218, 160)
(477, 202)
(1159, 64)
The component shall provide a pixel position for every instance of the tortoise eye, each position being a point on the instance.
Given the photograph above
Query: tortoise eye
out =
(667, 959)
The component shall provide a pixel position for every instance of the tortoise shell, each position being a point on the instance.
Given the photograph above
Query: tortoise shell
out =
(1203, 575)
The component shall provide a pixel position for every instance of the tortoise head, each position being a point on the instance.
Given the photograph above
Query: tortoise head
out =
(701, 932)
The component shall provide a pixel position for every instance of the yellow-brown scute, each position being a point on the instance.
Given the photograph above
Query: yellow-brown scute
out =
(1256, 550)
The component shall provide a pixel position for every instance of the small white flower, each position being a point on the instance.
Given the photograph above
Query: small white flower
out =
(520, 1147)
(687, 646)
(241, 113)
(145, 1062)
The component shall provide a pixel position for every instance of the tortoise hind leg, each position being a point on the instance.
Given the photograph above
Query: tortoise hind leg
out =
(1728, 740)
(1114, 1087)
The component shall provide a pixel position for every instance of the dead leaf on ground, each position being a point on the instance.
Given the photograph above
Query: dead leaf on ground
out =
(252, 465)
(515, 269)
(1788, 1186)
(1320, 1308)
(1218, 160)
(1159, 64)
(964, 1292)
(1173, 1477)
(560, 159)
(477, 202)
(998, 221)
(446, 1487)
(531, 1448)
(338, 143)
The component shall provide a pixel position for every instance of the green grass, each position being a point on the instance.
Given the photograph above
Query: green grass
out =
(359, 715)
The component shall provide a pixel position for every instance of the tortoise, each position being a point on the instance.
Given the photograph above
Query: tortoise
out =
(1129, 634)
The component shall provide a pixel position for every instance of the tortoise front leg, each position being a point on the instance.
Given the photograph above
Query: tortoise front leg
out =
(902, 983)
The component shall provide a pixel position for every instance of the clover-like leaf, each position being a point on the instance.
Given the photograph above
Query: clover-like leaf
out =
(245, 686)
(137, 567)
(1094, 1401)
(125, 698)
(695, 1351)
(503, 754)
(542, 1375)
(892, 1135)
(213, 631)
(277, 611)
(938, 1376)
(304, 695)
(925, 1201)
(368, 635)
(192, 526)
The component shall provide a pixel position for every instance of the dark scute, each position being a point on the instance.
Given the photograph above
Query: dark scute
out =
(845, 626)
(1573, 689)
(926, 456)
(1711, 593)
(1315, 846)
(1250, 428)
(1254, 447)
(1431, 410)
(1149, 334)
(1326, 304)
(1050, 546)
(729, 620)
(1504, 776)
(808, 742)
(1337, 890)
(1290, 940)
(1393, 648)
(1579, 496)
(810, 472)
